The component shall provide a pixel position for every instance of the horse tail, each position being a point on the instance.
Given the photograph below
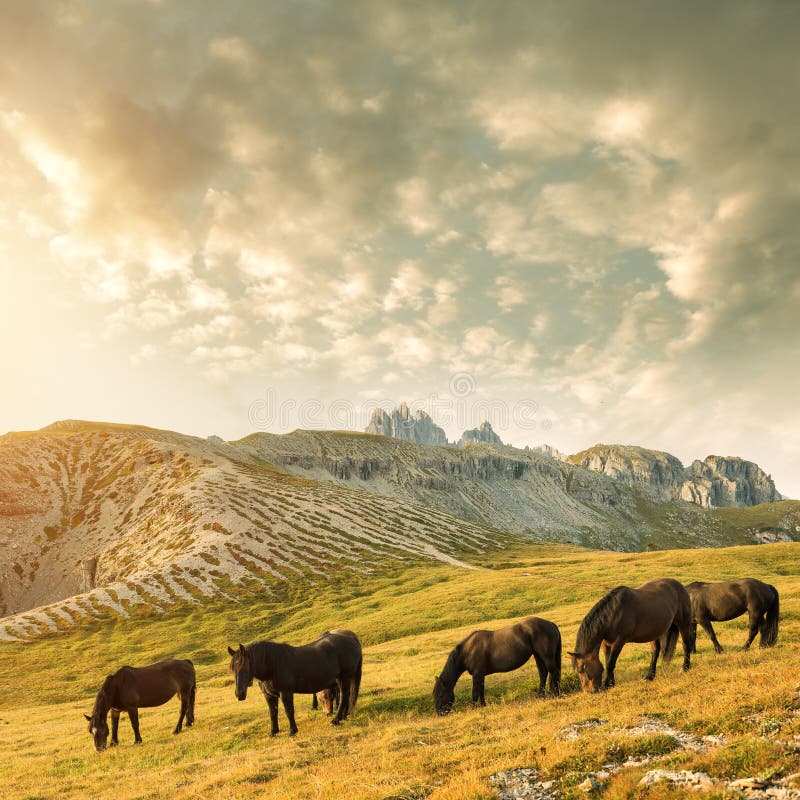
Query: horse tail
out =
(555, 678)
(355, 685)
(668, 642)
(769, 630)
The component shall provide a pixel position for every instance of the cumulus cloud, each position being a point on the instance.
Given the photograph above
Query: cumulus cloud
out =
(595, 210)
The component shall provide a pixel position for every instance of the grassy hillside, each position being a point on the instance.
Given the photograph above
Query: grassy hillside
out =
(393, 746)
(780, 517)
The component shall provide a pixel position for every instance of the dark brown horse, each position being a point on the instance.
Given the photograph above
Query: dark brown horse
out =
(730, 599)
(483, 653)
(283, 670)
(657, 609)
(132, 688)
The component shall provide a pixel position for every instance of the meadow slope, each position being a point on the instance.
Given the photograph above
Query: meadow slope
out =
(393, 746)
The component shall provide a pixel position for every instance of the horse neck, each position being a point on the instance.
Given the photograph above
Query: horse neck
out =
(102, 702)
(264, 657)
(453, 668)
(594, 628)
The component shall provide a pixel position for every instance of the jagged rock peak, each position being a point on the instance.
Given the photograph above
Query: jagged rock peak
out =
(402, 424)
(727, 481)
(548, 450)
(483, 433)
(716, 481)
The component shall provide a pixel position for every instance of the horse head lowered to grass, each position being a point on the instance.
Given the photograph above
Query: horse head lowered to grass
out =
(132, 688)
(483, 653)
(658, 611)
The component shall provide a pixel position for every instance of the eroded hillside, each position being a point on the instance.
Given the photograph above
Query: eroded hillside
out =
(97, 519)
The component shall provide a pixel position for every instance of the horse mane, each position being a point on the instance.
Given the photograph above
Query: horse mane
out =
(453, 667)
(264, 654)
(592, 628)
(102, 702)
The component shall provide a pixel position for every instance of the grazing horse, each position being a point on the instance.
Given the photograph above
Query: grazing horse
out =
(283, 670)
(328, 698)
(723, 601)
(657, 609)
(483, 653)
(132, 688)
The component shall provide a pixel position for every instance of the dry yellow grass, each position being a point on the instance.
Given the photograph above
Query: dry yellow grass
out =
(393, 746)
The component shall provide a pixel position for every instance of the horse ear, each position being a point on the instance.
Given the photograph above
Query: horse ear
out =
(231, 650)
(241, 647)
(88, 718)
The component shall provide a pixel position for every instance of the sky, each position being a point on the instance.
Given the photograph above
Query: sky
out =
(578, 220)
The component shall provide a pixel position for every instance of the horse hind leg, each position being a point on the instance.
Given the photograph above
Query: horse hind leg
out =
(542, 668)
(755, 624)
(190, 706)
(184, 698)
(688, 639)
(344, 700)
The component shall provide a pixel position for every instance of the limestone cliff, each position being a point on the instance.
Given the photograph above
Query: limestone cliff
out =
(483, 433)
(402, 424)
(719, 481)
(715, 482)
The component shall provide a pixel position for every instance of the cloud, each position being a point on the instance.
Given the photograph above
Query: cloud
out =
(596, 209)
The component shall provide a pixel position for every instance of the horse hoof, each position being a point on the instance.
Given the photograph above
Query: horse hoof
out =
(176, 731)
(649, 677)
(335, 722)
(273, 733)
(293, 733)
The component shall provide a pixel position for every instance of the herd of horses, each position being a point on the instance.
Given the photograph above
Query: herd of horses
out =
(659, 612)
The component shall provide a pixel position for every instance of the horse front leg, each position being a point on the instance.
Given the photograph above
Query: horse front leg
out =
(272, 704)
(133, 715)
(288, 706)
(478, 685)
(655, 648)
(343, 682)
(114, 727)
(706, 625)
(612, 654)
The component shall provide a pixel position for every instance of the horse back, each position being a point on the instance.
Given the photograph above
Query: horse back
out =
(152, 685)
(729, 599)
(654, 607)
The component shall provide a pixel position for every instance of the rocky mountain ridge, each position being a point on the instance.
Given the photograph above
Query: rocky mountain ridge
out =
(402, 424)
(483, 433)
(713, 482)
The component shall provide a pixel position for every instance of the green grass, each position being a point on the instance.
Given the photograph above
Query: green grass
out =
(765, 516)
(393, 745)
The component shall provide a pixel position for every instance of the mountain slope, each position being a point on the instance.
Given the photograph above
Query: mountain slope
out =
(125, 516)
(498, 486)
